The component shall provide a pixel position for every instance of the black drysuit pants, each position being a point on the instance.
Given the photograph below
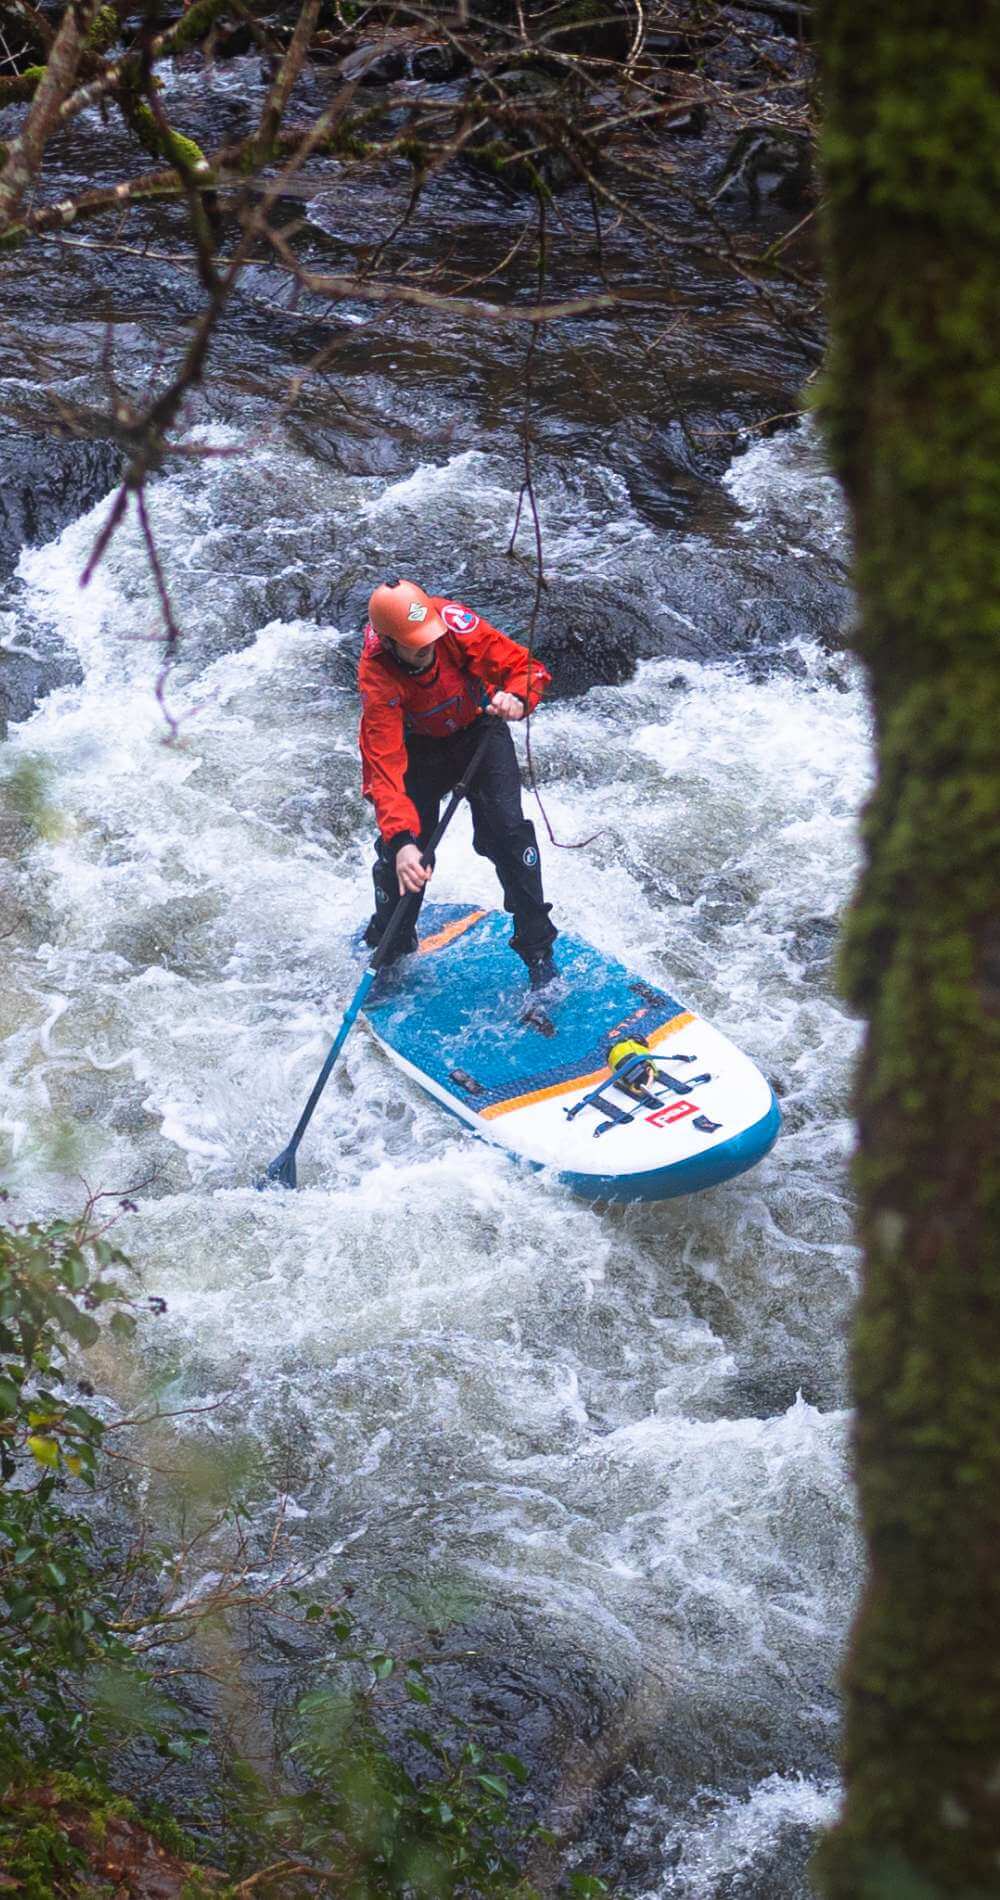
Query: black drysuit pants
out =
(500, 830)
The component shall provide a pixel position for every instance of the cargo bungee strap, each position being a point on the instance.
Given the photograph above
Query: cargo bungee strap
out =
(640, 1096)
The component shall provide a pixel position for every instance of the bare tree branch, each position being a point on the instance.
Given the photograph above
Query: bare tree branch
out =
(25, 153)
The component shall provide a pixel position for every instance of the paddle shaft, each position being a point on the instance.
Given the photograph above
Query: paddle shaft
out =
(404, 913)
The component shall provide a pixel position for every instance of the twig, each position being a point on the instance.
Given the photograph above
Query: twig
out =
(527, 492)
(25, 153)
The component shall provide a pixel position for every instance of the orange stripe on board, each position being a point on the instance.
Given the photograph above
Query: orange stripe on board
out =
(450, 931)
(583, 1081)
(670, 1029)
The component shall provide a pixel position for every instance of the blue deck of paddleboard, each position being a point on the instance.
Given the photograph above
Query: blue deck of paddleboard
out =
(457, 1008)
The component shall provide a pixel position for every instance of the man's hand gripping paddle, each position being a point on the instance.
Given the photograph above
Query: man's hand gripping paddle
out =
(282, 1168)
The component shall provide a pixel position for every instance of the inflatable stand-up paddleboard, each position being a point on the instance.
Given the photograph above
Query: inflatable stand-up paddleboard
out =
(451, 1017)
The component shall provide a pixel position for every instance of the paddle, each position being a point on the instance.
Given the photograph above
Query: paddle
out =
(282, 1168)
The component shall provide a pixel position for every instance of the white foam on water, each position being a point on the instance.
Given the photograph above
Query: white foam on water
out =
(786, 480)
(483, 1389)
(724, 1838)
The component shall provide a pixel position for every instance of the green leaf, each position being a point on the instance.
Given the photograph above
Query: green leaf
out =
(494, 1784)
(514, 1766)
(123, 1325)
(10, 1395)
(382, 1667)
(416, 1689)
(428, 1741)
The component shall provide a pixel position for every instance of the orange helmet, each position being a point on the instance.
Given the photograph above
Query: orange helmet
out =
(401, 611)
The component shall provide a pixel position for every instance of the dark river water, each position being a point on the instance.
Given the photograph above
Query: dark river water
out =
(603, 1450)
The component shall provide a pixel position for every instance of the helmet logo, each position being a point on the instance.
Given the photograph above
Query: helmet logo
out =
(459, 619)
(530, 856)
(416, 612)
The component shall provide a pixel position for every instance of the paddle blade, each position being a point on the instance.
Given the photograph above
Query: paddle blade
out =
(280, 1172)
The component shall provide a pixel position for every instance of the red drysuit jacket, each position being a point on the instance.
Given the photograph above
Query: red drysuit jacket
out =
(446, 696)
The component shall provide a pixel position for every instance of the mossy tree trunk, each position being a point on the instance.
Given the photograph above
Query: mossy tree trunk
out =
(912, 403)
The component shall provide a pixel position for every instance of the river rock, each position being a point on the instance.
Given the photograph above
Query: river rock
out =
(592, 633)
(28, 674)
(768, 161)
(401, 55)
(45, 482)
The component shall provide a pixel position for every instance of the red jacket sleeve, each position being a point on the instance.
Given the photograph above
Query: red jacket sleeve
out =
(383, 760)
(503, 663)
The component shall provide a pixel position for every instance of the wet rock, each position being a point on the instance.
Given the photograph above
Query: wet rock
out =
(740, 599)
(533, 82)
(689, 121)
(435, 62)
(671, 49)
(26, 676)
(744, 49)
(46, 481)
(375, 64)
(401, 56)
(813, 944)
(593, 634)
(769, 162)
(589, 26)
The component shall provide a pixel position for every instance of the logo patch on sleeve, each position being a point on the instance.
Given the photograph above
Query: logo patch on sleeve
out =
(459, 619)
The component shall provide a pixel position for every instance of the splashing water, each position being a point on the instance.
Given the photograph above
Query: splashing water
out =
(610, 1444)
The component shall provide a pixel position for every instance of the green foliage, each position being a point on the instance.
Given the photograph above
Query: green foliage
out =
(56, 1606)
(36, 1855)
(70, 1685)
(378, 1830)
(438, 1824)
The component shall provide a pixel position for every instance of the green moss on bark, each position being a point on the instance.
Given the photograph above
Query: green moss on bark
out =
(20, 86)
(196, 24)
(165, 143)
(105, 30)
(61, 1836)
(912, 410)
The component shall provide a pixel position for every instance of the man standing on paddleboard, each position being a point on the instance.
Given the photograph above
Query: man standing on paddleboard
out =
(434, 676)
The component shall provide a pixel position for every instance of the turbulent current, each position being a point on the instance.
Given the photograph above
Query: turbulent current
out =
(610, 1443)
(600, 1453)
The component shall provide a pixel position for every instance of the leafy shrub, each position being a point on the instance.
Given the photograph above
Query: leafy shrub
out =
(57, 1606)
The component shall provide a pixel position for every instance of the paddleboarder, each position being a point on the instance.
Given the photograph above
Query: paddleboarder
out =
(434, 676)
